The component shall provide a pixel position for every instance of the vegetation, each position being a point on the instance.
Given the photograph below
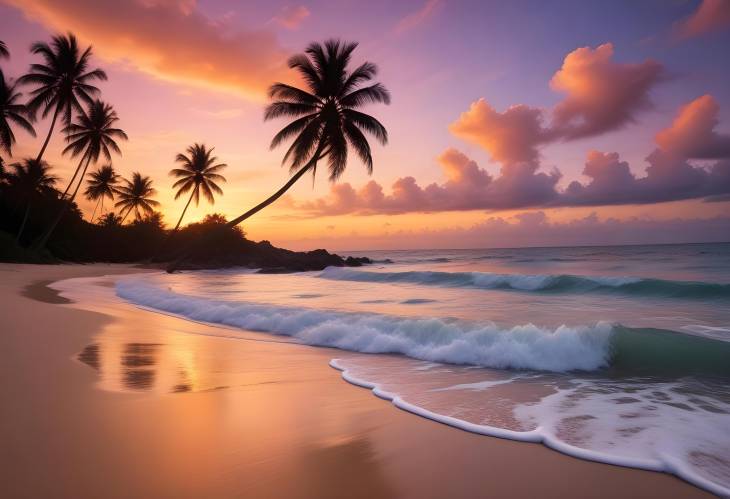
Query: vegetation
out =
(40, 223)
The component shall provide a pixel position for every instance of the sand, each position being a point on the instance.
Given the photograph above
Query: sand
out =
(121, 402)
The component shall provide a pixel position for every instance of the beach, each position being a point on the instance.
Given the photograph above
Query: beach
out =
(125, 402)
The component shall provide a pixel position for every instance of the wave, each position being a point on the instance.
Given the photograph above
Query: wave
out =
(562, 349)
(544, 283)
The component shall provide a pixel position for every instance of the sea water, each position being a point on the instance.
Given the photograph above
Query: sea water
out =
(614, 354)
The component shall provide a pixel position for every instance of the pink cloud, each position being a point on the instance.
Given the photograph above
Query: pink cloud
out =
(693, 135)
(711, 15)
(291, 17)
(169, 39)
(601, 95)
(418, 17)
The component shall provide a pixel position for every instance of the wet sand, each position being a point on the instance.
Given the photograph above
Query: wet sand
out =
(121, 402)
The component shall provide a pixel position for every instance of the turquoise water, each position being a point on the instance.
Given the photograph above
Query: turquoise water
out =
(616, 354)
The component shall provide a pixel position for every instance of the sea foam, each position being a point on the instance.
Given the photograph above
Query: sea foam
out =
(440, 340)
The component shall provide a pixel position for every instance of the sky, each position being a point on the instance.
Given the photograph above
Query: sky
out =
(524, 123)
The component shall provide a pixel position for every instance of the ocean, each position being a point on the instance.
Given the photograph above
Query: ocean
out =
(614, 354)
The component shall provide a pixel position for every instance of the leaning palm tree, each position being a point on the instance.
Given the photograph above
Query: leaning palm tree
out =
(91, 136)
(101, 185)
(62, 81)
(12, 112)
(30, 180)
(198, 174)
(327, 121)
(136, 195)
(4, 50)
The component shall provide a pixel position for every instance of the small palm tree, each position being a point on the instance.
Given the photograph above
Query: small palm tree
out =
(111, 219)
(136, 195)
(327, 121)
(4, 50)
(101, 185)
(198, 173)
(30, 180)
(12, 112)
(62, 81)
(91, 136)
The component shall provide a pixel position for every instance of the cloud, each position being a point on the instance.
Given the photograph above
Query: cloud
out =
(291, 17)
(510, 137)
(601, 95)
(711, 15)
(669, 175)
(418, 17)
(693, 135)
(169, 39)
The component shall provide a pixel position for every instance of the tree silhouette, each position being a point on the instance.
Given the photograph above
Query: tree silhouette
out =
(326, 122)
(12, 112)
(197, 174)
(30, 180)
(4, 50)
(136, 195)
(101, 185)
(61, 82)
(92, 135)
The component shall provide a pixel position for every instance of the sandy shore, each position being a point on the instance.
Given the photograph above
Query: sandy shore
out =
(121, 402)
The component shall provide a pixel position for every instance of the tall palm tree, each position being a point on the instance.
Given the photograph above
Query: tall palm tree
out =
(326, 122)
(136, 195)
(91, 136)
(4, 50)
(30, 180)
(101, 185)
(12, 112)
(62, 81)
(198, 174)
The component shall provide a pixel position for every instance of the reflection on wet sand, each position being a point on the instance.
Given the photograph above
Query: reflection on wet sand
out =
(137, 366)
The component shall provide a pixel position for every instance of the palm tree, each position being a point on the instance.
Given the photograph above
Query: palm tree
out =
(327, 120)
(101, 185)
(31, 179)
(4, 50)
(92, 136)
(62, 81)
(197, 174)
(136, 195)
(12, 112)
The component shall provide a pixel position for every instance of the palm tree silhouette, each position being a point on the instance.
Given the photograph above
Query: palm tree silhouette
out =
(198, 173)
(327, 121)
(92, 136)
(31, 179)
(4, 50)
(101, 185)
(62, 81)
(136, 195)
(12, 112)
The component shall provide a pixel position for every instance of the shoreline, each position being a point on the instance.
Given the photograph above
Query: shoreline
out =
(257, 418)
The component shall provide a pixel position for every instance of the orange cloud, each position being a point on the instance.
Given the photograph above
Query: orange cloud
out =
(711, 15)
(168, 39)
(693, 135)
(510, 137)
(602, 95)
(291, 17)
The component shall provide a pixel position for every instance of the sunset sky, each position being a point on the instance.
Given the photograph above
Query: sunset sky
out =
(511, 123)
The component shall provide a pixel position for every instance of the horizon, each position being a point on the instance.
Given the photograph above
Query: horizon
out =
(488, 148)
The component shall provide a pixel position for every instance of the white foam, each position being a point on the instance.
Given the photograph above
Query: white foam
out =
(655, 451)
(481, 344)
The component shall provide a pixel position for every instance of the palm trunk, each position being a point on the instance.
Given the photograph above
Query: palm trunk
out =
(22, 224)
(185, 209)
(40, 244)
(125, 215)
(190, 249)
(50, 132)
(93, 213)
(71, 182)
